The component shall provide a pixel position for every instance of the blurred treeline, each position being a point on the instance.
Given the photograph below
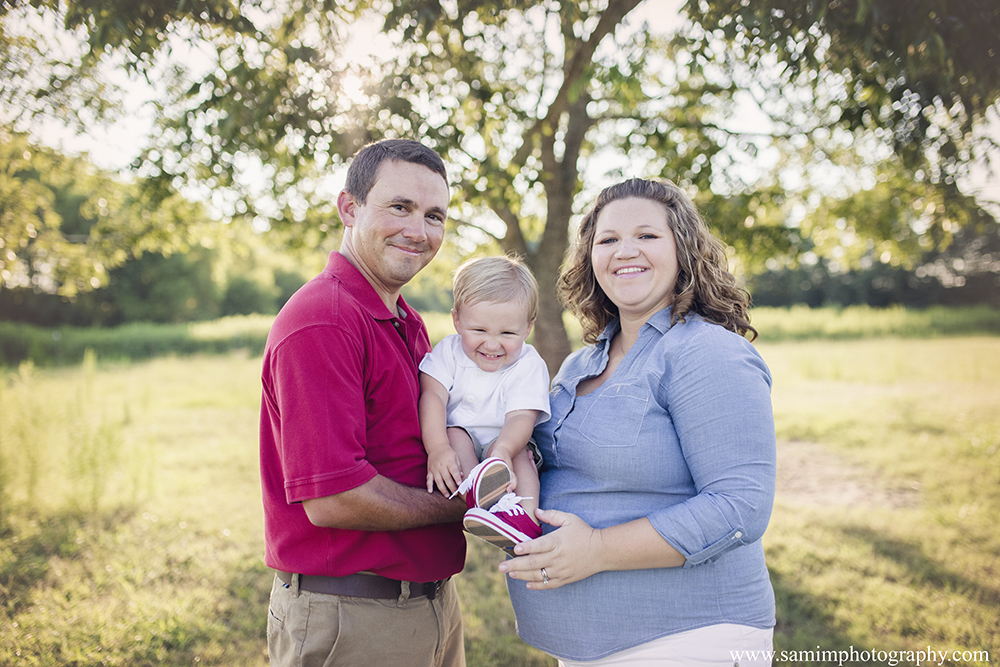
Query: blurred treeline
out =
(966, 273)
(181, 287)
(199, 269)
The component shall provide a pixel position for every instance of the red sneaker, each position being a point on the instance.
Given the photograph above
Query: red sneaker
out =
(504, 525)
(486, 483)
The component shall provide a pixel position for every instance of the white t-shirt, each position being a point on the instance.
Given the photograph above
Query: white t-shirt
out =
(478, 400)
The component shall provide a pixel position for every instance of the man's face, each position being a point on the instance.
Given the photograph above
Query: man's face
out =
(399, 228)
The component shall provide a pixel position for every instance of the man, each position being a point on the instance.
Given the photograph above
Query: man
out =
(363, 553)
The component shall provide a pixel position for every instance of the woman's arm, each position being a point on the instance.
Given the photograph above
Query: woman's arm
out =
(718, 393)
(576, 551)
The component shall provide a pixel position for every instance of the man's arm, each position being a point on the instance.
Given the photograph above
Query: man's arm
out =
(381, 504)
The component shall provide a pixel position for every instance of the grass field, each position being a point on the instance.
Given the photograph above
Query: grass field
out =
(130, 523)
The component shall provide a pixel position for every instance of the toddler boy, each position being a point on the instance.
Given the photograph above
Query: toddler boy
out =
(482, 390)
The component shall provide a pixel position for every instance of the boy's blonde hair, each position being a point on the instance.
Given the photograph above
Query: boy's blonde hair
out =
(496, 280)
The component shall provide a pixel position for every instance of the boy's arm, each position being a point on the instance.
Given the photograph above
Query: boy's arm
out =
(517, 428)
(443, 466)
(433, 413)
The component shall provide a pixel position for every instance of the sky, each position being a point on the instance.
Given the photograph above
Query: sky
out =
(114, 146)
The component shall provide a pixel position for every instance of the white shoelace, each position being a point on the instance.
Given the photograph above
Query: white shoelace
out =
(466, 484)
(509, 503)
(464, 487)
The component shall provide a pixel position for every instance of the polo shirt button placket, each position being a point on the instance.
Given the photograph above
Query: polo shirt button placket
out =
(399, 329)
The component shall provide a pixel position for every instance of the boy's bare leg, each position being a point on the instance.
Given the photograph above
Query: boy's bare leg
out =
(528, 486)
(462, 445)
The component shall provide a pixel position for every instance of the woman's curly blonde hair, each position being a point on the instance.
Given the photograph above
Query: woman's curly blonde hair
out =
(704, 284)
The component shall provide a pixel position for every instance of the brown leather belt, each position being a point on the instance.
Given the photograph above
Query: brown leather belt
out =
(361, 586)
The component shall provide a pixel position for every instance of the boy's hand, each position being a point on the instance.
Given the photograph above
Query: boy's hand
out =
(444, 470)
(513, 436)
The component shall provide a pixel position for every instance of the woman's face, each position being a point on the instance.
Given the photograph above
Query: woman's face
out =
(635, 257)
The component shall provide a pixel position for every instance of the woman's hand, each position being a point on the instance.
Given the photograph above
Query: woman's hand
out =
(576, 551)
(572, 553)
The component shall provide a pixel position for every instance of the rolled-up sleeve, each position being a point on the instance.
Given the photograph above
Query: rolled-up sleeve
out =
(717, 391)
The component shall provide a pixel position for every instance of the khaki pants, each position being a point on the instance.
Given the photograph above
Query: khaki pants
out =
(307, 629)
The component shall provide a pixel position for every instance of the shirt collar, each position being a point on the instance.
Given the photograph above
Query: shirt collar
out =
(659, 321)
(594, 361)
(362, 290)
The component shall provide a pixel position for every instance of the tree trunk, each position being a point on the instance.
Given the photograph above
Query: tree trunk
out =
(562, 176)
(551, 339)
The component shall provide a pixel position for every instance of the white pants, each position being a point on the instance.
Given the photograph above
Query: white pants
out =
(722, 645)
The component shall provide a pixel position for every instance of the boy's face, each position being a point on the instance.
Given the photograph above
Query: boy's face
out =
(492, 333)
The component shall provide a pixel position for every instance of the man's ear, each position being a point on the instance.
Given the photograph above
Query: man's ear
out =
(347, 208)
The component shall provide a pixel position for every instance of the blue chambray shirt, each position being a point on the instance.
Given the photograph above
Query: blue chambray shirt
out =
(681, 433)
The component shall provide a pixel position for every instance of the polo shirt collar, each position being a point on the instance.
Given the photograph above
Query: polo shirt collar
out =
(362, 290)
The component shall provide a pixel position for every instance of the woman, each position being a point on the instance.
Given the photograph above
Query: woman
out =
(660, 452)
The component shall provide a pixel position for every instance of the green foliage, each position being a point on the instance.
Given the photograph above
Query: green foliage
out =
(140, 29)
(64, 223)
(178, 273)
(911, 83)
(163, 289)
(534, 105)
(245, 296)
(42, 74)
(915, 68)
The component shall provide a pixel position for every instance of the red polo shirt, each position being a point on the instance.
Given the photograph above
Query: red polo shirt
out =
(339, 405)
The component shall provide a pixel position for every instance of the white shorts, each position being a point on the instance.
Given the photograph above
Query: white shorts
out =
(722, 645)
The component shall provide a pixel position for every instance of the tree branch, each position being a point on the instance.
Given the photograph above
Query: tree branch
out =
(573, 70)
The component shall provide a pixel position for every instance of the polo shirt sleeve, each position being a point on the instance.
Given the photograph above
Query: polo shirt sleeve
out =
(718, 396)
(440, 363)
(318, 380)
(526, 387)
